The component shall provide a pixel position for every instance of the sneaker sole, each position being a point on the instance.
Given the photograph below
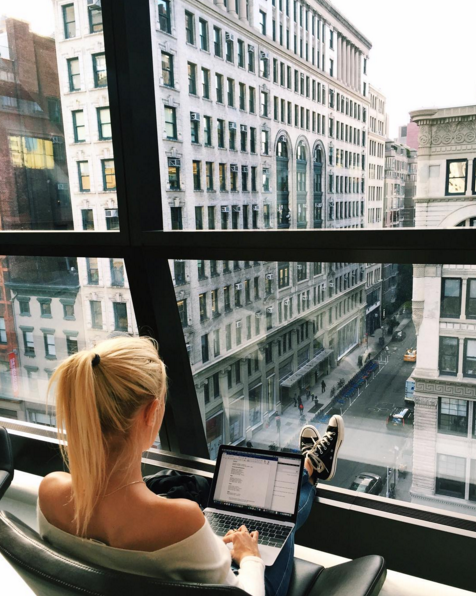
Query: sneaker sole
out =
(340, 438)
(311, 427)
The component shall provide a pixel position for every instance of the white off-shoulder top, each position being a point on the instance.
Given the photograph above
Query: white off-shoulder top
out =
(202, 557)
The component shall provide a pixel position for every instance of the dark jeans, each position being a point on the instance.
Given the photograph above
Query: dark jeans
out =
(278, 576)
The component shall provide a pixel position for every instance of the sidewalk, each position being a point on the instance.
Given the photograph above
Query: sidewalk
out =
(291, 421)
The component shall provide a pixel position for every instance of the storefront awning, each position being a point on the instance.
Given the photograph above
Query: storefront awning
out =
(311, 365)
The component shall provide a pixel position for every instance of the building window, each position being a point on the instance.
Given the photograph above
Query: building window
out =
(93, 271)
(229, 49)
(265, 142)
(116, 267)
(68, 310)
(176, 218)
(205, 83)
(87, 217)
(448, 355)
(83, 176)
(50, 346)
(283, 275)
(112, 220)
(252, 140)
(251, 100)
(120, 316)
(170, 123)
(164, 16)
(450, 298)
(168, 69)
(264, 104)
(262, 22)
(69, 21)
(451, 476)
(230, 92)
(24, 304)
(222, 178)
(99, 69)
(28, 342)
(202, 301)
(71, 345)
(108, 174)
(179, 272)
(79, 127)
(74, 74)
(3, 331)
(194, 128)
(266, 187)
(241, 53)
(219, 87)
(196, 175)
(95, 19)
(189, 27)
(301, 271)
(456, 176)
(471, 299)
(203, 35)
(96, 314)
(209, 183)
(174, 173)
(217, 46)
(453, 416)
(469, 362)
(199, 218)
(192, 78)
(104, 124)
(204, 342)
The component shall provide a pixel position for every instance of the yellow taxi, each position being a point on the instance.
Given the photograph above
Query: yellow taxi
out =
(410, 355)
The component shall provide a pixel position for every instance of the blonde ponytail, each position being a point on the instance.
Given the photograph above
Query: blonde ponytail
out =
(95, 409)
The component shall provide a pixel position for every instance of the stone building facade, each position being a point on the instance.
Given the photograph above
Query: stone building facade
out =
(444, 313)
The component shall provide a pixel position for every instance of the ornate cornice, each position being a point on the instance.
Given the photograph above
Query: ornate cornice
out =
(440, 388)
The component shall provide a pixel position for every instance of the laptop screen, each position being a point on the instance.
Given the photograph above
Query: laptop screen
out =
(259, 483)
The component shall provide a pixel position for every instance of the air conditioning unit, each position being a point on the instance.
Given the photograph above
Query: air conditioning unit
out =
(304, 298)
(244, 169)
(251, 49)
(232, 125)
(174, 162)
(94, 3)
(229, 37)
(55, 140)
(324, 286)
(238, 324)
(225, 209)
(255, 207)
(258, 315)
(189, 347)
(194, 116)
(331, 284)
(236, 208)
(111, 213)
(269, 309)
(179, 260)
(286, 302)
(63, 186)
(233, 167)
(299, 267)
(263, 55)
(269, 276)
(243, 128)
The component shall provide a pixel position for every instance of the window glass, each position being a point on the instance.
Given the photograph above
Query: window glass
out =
(451, 298)
(453, 416)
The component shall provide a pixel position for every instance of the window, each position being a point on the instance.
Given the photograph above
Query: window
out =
(456, 176)
(243, 138)
(251, 100)
(95, 19)
(219, 87)
(450, 298)
(266, 187)
(251, 58)
(207, 131)
(301, 271)
(74, 74)
(192, 78)
(448, 355)
(179, 272)
(170, 123)
(87, 218)
(202, 301)
(230, 92)
(120, 316)
(244, 188)
(108, 174)
(232, 136)
(254, 170)
(3, 331)
(283, 275)
(168, 69)
(173, 171)
(93, 270)
(68, 309)
(196, 175)
(252, 140)
(189, 27)
(222, 178)
(204, 35)
(241, 53)
(450, 476)
(50, 346)
(469, 363)
(205, 83)
(116, 267)
(230, 52)
(69, 21)
(112, 219)
(96, 314)
(209, 181)
(165, 16)
(204, 342)
(262, 22)
(176, 218)
(221, 133)
(265, 142)
(83, 176)
(453, 416)
(471, 299)
(99, 70)
(242, 96)
(217, 42)
(79, 128)
(194, 128)
(71, 345)
(104, 124)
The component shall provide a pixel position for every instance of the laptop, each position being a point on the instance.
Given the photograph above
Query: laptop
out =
(259, 489)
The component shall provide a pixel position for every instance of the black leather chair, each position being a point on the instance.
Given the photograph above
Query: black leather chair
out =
(50, 572)
(6, 461)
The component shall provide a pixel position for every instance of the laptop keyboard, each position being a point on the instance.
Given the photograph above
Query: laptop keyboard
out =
(269, 534)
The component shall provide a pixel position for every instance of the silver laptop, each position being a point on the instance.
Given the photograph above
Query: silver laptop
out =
(259, 489)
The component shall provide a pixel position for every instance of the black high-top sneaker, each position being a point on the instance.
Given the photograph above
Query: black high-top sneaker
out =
(323, 456)
(308, 438)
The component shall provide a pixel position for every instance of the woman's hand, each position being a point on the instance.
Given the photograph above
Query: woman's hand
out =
(244, 543)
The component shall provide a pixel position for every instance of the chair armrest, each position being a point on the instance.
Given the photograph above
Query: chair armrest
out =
(361, 577)
(5, 481)
(304, 576)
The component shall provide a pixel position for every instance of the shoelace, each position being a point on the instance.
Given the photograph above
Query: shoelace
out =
(324, 443)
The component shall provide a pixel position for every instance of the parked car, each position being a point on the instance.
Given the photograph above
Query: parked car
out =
(399, 336)
(367, 483)
(400, 419)
(410, 355)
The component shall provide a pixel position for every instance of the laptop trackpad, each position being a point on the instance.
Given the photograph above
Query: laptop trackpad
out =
(269, 554)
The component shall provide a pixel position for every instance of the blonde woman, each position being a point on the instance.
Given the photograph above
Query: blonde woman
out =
(110, 405)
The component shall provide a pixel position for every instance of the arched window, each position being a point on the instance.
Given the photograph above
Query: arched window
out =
(282, 183)
(301, 185)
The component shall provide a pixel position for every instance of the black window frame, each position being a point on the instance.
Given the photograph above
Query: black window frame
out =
(444, 313)
(447, 178)
(447, 427)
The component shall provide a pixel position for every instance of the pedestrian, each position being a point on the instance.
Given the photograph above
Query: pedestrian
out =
(299, 401)
(308, 393)
(249, 444)
(295, 400)
(301, 409)
(323, 386)
(278, 422)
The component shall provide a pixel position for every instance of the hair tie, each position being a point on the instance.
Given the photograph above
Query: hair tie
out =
(96, 360)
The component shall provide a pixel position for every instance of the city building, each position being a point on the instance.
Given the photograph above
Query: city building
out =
(400, 178)
(408, 135)
(444, 299)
